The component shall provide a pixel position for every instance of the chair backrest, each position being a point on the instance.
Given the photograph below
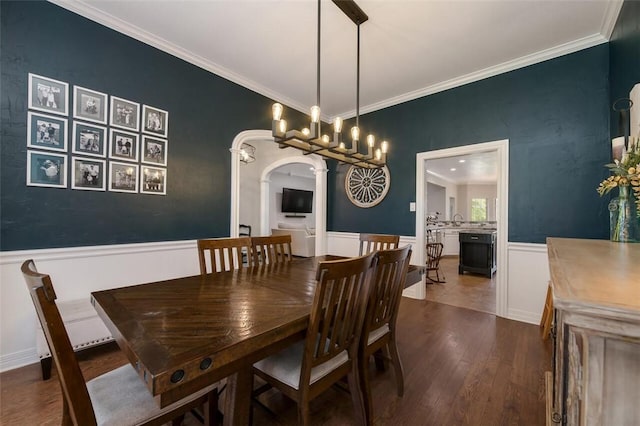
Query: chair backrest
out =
(74, 389)
(337, 312)
(374, 242)
(225, 254)
(272, 249)
(434, 253)
(386, 289)
(244, 230)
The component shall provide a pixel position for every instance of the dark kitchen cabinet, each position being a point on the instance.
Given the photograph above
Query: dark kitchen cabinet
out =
(478, 253)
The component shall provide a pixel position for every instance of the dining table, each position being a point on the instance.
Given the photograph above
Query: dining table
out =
(187, 333)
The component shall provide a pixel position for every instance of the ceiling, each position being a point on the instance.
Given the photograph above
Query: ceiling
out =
(477, 168)
(409, 48)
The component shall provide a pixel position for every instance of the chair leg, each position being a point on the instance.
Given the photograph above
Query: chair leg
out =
(397, 365)
(177, 421)
(380, 359)
(360, 391)
(303, 413)
(45, 366)
(210, 409)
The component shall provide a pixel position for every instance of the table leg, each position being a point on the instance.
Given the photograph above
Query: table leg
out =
(237, 405)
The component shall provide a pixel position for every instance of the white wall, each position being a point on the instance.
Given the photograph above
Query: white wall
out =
(76, 272)
(451, 190)
(279, 181)
(470, 191)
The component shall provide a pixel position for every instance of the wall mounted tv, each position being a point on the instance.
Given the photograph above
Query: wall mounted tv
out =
(296, 200)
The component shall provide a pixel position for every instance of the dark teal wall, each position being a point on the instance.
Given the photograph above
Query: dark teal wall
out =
(556, 117)
(205, 113)
(624, 55)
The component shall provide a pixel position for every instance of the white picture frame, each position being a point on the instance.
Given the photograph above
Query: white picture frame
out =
(123, 177)
(90, 105)
(89, 139)
(46, 169)
(155, 121)
(46, 132)
(48, 95)
(123, 145)
(124, 114)
(154, 150)
(88, 174)
(153, 180)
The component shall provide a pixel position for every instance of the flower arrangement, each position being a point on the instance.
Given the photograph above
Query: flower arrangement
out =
(624, 216)
(625, 172)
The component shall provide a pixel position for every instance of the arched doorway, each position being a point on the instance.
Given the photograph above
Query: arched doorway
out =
(319, 165)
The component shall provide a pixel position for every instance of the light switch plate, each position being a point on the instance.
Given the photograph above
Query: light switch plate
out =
(412, 206)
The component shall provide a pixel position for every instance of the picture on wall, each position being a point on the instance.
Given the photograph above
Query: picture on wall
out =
(153, 180)
(123, 145)
(155, 121)
(123, 177)
(154, 151)
(49, 95)
(46, 132)
(125, 114)
(46, 169)
(89, 139)
(88, 174)
(89, 105)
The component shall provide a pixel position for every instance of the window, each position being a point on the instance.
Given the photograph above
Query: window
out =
(478, 209)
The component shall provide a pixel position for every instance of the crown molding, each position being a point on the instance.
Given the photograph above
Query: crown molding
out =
(524, 61)
(90, 12)
(610, 18)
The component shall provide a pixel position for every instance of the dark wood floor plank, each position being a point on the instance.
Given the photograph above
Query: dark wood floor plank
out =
(462, 367)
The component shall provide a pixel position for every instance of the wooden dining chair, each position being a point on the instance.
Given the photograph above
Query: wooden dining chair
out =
(118, 397)
(373, 242)
(379, 332)
(224, 254)
(434, 254)
(271, 249)
(329, 351)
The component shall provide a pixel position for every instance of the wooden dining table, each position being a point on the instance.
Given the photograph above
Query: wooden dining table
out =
(184, 334)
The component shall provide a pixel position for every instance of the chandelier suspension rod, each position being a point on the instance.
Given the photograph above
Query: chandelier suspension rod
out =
(318, 60)
(358, 81)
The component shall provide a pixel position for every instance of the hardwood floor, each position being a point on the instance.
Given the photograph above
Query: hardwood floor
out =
(471, 291)
(462, 367)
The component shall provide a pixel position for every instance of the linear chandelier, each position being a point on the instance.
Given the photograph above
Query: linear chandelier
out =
(311, 140)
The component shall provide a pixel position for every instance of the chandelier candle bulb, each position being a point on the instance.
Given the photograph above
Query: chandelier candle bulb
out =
(306, 131)
(337, 125)
(384, 146)
(315, 114)
(355, 133)
(276, 109)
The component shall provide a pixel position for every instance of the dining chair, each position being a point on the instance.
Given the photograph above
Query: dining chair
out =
(329, 351)
(434, 254)
(224, 254)
(271, 249)
(379, 332)
(118, 397)
(373, 242)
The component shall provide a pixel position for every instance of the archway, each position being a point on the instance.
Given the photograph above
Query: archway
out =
(320, 203)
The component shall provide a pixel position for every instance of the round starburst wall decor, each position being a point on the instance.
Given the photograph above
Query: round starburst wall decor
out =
(367, 187)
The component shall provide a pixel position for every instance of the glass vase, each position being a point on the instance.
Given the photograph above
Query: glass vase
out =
(623, 216)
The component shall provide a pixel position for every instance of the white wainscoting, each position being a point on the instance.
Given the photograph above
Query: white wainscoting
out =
(78, 271)
(75, 273)
(528, 279)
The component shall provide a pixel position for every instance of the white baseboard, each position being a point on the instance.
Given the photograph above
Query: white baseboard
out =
(524, 316)
(18, 359)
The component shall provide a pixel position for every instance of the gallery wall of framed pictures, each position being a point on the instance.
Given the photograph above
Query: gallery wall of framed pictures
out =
(114, 144)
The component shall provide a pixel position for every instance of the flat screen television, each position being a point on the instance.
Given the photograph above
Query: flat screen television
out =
(296, 200)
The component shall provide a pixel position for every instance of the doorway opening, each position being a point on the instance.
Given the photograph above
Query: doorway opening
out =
(501, 151)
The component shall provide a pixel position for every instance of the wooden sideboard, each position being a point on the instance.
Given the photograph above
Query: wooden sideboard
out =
(596, 365)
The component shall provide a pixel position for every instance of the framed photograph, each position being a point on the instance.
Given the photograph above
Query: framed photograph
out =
(123, 177)
(154, 151)
(153, 180)
(123, 145)
(49, 95)
(125, 114)
(88, 174)
(89, 105)
(155, 121)
(46, 169)
(46, 132)
(89, 139)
